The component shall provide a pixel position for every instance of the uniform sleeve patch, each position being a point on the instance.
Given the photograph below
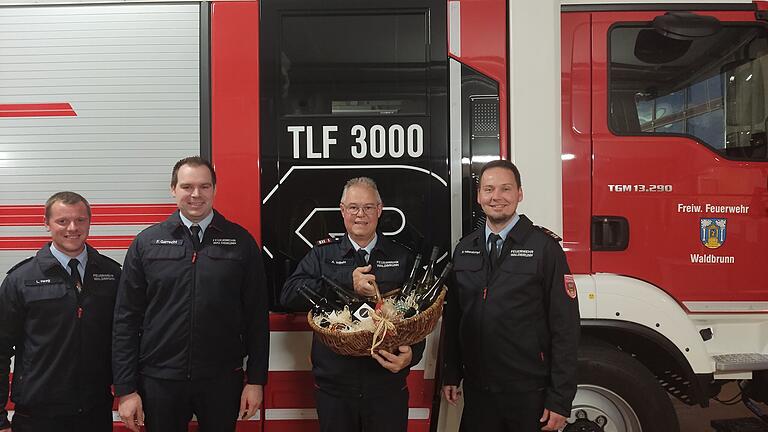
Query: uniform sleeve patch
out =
(570, 286)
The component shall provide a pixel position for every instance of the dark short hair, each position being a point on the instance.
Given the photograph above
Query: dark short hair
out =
(193, 161)
(501, 163)
(68, 198)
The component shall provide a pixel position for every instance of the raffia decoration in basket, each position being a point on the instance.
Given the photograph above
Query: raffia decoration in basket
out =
(404, 332)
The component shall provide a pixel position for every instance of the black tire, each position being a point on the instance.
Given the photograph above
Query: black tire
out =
(623, 391)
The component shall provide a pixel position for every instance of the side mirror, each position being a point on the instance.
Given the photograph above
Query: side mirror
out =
(686, 25)
(671, 35)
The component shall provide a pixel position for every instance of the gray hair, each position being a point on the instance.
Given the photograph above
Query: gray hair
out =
(361, 181)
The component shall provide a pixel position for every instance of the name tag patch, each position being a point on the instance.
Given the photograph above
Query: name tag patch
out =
(385, 264)
(340, 261)
(224, 241)
(525, 253)
(36, 282)
(174, 242)
(103, 277)
(470, 252)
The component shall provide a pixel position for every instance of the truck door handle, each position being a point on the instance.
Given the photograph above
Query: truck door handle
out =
(610, 233)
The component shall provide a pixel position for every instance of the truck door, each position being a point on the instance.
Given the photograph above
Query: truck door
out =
(349, 89)
(680, 160)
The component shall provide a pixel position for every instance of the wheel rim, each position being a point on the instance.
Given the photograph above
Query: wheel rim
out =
(598, 409)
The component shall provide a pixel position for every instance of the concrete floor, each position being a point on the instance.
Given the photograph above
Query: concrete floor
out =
(692, 418)
(696, 419)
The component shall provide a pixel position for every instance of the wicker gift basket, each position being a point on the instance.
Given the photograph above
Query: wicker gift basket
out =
(388, 337)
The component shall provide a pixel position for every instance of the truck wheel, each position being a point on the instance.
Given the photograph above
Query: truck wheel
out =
(618, 394)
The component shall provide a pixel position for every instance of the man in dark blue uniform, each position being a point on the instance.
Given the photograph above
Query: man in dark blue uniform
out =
(357, 393)
(191, 304)
(56, 313)
(512, 318)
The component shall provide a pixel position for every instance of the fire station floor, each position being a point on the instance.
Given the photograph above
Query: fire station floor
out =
(697, 419)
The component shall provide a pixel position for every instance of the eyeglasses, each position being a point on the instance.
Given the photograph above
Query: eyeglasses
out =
(353, 209)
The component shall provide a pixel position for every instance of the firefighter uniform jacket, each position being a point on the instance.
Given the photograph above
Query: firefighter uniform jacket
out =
(516, 329)
(335, 258)
(183, 314)
(62, 338)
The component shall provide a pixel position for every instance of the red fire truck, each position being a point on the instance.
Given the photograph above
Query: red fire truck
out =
(639, 128)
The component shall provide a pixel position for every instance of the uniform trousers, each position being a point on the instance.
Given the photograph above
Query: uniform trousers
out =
(97, 419)
(501, 411)
(169, 404)
(380, 413)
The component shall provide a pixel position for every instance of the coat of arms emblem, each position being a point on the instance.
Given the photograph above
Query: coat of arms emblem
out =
(712, 232)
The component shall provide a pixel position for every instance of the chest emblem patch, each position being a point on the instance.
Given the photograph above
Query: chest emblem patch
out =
(224, 241)
(525, 253)
(103, 277)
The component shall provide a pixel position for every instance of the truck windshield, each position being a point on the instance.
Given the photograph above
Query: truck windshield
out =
(352, 65)
(710, 88)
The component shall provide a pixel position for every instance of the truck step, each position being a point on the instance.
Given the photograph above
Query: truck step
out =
(746, 424)
(741, 362)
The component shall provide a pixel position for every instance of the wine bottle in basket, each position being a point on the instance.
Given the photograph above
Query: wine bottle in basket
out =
(433, 292)
(429, 274)
(357, 305)
(319, 304)
(343, 297)
(410, 283)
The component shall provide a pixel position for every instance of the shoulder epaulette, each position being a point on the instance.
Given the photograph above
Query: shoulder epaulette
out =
(112, 260)
(402, 245)
(549, 233)
(469, 234)
(327, 241)
(21, 263)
